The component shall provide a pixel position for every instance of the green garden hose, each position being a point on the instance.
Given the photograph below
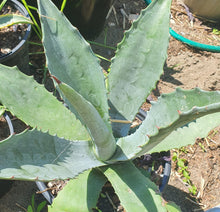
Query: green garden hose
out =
(191, 43)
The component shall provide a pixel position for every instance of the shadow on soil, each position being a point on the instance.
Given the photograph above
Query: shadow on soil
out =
(182, 199)
(167, 76)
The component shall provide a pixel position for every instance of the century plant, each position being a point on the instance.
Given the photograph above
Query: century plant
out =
(92, 141)
(7, 20)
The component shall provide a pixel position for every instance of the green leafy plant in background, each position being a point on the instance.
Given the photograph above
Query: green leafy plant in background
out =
(216, 31)
(31, 8)
(32, 207)
(35, 25)
(92, 141)
(183, 170)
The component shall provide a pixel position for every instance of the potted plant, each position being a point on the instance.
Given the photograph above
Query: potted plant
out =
(151, 162)
(14, 45)
(208, 9)
(92, 142)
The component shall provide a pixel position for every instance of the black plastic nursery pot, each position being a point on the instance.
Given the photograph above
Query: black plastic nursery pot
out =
(18, 55)
(87, 15)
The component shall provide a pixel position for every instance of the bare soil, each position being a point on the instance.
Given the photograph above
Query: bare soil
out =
(186, 67)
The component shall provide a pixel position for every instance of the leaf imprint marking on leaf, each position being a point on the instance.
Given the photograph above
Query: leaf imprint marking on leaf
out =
(48, 17)
(60, 153)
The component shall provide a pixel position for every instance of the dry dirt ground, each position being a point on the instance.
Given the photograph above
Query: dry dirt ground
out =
(185, 67)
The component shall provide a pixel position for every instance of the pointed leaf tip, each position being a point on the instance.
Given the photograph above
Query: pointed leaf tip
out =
(179, 112)
(58, 81)
(157, 127)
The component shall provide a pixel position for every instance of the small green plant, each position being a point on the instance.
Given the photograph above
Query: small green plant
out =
(32, 207)
(183, 170)
(202, 146)
(92, 142)
(216, 31)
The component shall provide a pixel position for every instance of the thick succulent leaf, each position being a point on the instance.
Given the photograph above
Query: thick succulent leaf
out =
(139, 61)
(172, 207)
(33, 104)
(187, 134)
(33, 155)
(70, 58)
(181, 109)
(135, 191)
(11, 19)
(104, 141)
(81, 193)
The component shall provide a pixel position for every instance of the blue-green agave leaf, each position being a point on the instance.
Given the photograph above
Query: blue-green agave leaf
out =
(33, 155)
(187, 134)
(135, 191)
(81, 193)
(179, 112)
(102, 136)
(70, 58)
(172, 207)
(11, 19)
(139, 61)
(34, 105)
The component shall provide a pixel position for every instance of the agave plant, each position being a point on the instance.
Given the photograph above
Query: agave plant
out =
(11, 19)
(92, 142)
(7, 20)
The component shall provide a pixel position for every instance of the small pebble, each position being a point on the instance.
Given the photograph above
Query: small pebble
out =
(5, 50)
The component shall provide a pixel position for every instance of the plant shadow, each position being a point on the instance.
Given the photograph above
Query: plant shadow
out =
(167, 76)
(182, 199)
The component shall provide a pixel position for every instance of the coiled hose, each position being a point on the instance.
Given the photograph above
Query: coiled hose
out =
(189, 42)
